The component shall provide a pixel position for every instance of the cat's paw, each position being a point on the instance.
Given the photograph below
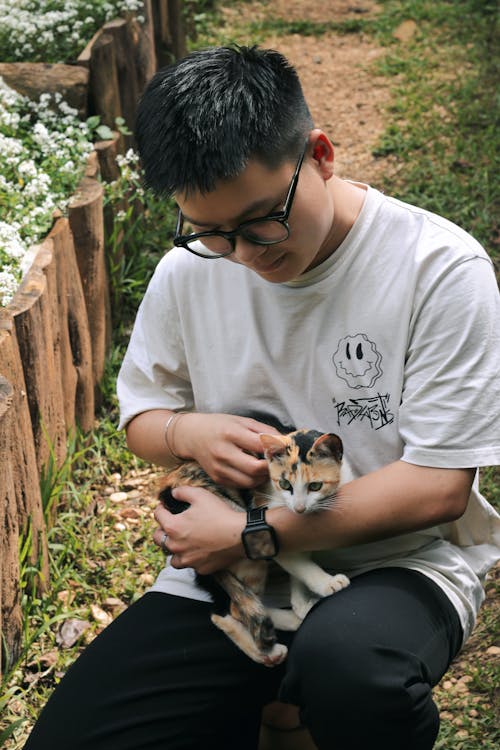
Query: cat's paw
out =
(331, 584)
(276, 656)
(262, 629)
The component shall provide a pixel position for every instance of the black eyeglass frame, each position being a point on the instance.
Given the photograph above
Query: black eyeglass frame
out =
(279, 216)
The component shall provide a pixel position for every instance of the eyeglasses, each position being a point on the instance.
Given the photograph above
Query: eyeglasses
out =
(266, 230)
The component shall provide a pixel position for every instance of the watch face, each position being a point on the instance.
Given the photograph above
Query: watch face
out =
(260, 544)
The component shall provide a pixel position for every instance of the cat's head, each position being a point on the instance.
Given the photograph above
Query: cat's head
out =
(304, 468)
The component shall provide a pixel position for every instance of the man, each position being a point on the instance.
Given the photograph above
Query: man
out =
(322, 304)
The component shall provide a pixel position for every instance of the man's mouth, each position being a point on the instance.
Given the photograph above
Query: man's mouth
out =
(269, 267)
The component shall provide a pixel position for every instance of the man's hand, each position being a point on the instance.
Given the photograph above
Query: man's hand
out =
(206, 536)
(222, 444)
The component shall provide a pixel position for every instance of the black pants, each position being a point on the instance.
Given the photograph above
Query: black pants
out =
(162, 677)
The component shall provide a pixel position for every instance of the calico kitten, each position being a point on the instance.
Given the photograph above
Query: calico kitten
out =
(306, 468)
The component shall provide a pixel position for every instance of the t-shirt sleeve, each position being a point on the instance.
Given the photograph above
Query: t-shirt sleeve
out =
(154, 372)
(449, 409)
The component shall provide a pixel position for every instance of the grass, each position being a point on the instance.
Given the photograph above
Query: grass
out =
(442, 135)
(445, 112)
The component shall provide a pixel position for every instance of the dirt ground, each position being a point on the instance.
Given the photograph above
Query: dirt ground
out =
(346, 98)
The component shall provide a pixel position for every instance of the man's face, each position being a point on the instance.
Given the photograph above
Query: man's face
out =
(257, 192)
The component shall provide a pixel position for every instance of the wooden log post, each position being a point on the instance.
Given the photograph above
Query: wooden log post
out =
(87, 226)
(177, 28)
(163, 38)
(104, 94)
(21, 512)
(34, 309)
(10, 609)
(169, 31)
(145, 56)
(120, 29)
(76, 351)
(29, 499)
(107, 152)
(34, 79)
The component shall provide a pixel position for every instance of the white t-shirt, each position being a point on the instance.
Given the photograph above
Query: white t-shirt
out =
(392, 343)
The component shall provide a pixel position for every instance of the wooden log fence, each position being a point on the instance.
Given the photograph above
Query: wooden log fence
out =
(55, 334)
(109, 74)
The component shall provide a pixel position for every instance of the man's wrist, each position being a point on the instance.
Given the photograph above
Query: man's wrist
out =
(259, 538)
(175, 435)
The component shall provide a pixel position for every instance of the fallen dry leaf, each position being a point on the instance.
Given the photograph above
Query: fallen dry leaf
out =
(71, 631)
(99, 615)
(118, 497)
(44, 661)
(405, 31)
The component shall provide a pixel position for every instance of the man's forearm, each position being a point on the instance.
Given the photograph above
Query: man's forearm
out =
(146, 437)
(397, 499)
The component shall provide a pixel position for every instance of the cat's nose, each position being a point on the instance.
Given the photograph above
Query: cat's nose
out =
(299, 508)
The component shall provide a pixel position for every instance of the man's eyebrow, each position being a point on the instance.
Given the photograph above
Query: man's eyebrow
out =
(261, 203)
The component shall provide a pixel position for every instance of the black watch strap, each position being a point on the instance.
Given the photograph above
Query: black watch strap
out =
(259, 538)
(256, 515)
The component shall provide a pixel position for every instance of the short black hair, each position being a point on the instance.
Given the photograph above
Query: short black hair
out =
(201, 119)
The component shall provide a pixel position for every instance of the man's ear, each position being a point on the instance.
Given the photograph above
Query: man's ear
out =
(323, 152)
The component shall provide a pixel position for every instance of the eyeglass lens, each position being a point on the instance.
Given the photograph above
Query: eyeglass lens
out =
(261, 232)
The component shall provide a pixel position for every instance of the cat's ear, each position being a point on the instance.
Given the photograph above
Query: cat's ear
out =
(274, 445)
(329, 445)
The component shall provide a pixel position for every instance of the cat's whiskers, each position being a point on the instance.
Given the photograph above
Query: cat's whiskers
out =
(338, 502)
(266, 496)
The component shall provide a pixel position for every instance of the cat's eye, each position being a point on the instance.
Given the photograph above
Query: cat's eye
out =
(314, 486)
(285, 484)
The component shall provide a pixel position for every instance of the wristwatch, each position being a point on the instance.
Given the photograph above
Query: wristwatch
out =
(258, 537)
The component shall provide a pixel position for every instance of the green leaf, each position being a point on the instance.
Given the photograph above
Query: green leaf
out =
(104, 133)
(93, 121)
(10, 730)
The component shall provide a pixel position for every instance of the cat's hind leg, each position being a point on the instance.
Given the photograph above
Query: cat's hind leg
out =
(247, 607)
(237, 632)
(284, 619)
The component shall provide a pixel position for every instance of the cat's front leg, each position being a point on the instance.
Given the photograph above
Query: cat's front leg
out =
(285, 619)
(301, 598)
(318, 581)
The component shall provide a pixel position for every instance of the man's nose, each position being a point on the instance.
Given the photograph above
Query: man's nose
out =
(246, 251)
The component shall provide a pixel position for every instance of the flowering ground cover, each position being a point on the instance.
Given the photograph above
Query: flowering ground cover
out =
(437, 145)
(43, 151)
(54, 30)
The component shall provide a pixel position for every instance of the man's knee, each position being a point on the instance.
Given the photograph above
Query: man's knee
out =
(348, 686)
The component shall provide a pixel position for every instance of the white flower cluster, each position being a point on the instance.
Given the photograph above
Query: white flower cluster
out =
(129, 184)
(43, 152)
(54, 30)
